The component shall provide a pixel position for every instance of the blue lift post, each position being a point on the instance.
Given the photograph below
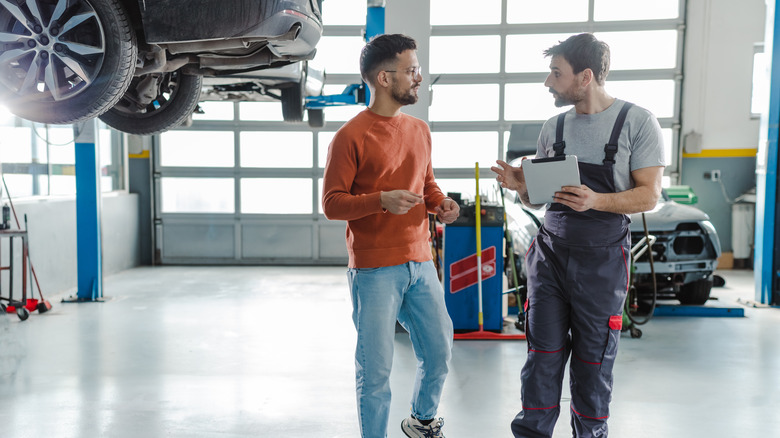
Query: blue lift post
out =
(355, 94)
(88, 200)
(766, 253)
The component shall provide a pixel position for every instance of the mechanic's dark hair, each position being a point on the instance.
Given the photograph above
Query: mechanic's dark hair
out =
(380, 51)
(584, 51)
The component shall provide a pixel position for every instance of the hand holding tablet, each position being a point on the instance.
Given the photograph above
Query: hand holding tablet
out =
(545, 176)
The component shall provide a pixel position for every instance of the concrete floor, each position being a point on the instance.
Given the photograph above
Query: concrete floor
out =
(267, 352)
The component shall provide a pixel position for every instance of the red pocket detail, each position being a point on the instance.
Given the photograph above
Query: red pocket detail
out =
(616, 322)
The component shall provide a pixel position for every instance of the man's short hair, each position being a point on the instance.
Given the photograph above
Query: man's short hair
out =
(584, 51)
(381, 51)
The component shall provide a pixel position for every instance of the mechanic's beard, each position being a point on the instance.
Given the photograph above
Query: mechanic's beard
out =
(567, 98)
(408, 98)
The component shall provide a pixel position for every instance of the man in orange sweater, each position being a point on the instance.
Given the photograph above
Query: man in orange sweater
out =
(379, 178)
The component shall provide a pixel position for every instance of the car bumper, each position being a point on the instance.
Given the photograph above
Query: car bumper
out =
(676, 267)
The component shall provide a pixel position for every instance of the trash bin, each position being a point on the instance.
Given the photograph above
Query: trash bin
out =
(743, 218)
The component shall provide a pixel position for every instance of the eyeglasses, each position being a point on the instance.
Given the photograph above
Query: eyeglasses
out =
(414, 71)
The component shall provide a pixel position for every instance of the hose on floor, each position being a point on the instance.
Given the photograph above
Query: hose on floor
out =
(643, 320)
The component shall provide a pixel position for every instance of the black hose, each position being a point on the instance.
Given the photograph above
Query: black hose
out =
(434, 243)
(649, 316)
(518, 296)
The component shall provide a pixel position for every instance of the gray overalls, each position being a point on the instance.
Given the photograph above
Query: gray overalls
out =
(577, 283)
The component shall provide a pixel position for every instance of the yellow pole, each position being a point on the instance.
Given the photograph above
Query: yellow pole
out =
(478, 214)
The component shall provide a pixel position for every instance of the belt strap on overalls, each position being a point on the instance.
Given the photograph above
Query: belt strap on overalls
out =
(610, 149)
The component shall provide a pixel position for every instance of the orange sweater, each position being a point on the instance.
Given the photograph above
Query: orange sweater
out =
(371, 154)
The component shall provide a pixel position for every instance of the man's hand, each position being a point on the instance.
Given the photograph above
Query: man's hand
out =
(510, 177)
(448, 211)
(580, 198)
(399, 201)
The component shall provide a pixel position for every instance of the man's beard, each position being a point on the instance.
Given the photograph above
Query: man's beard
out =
(408, 98)
(567, 98)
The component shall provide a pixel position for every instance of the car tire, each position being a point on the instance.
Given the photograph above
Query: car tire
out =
(177, 99)
(293, 102)
(696, 293)
(105, 49)
(316, 117)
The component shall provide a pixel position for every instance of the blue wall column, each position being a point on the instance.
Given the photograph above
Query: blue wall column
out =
(766, 172)
(88, 199)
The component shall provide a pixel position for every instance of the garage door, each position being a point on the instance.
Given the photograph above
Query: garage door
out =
(243, 192)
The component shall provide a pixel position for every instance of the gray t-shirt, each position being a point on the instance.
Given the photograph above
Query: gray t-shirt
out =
(640, 144)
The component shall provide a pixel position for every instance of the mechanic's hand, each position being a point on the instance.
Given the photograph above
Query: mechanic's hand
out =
(580, 198)
(448, 211)
(510, 177)
(399, 201)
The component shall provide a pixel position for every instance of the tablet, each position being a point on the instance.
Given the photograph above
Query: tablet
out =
(545, 176)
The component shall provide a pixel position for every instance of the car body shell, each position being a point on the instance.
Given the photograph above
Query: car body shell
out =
(139, 64)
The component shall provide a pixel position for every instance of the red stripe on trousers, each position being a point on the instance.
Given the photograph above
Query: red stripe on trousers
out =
(592, 418)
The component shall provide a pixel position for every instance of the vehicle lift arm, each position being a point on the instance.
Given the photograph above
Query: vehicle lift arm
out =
(355, 94)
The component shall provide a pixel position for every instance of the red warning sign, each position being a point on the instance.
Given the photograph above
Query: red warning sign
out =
(463, 273)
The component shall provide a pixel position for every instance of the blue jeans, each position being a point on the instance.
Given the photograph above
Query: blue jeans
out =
(410, 293)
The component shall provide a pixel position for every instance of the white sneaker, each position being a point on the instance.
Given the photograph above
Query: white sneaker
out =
(412, 427)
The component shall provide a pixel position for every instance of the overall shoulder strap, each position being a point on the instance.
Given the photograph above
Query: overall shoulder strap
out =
(611, 148)
(559, 144)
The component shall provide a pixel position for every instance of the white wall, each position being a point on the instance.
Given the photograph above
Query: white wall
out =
(717, 89)
(718, 69)
(52, 241)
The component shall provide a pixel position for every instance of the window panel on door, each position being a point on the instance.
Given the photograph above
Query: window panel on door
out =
(464, 149)
(19, 184)
(215, 111)
(447, 54)
(465, 12)
(640, 50)
(619, 10)
(548, 11)
(341, 53)
(61, 145)
(197, 149)
(344, 13)
(276, 149)
(655, 95)
(666, 134)
(525, 53)
(276, 195)
(12, 137)
(478, 102)
(197, 195)
(529, 101)
(324, 140)
(260, 111)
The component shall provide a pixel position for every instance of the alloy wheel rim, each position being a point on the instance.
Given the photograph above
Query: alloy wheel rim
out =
(49, 51)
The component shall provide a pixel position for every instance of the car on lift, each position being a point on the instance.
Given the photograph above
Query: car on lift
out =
(140, 64)
(291, 84)
(685, 251)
